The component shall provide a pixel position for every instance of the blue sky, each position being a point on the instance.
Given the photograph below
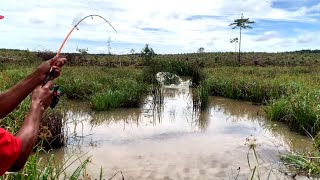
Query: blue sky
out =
(169, 26)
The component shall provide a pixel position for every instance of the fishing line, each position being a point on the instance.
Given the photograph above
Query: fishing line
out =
(76, 27)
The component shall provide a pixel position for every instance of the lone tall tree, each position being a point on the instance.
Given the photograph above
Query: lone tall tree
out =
(235, 41)
(201, 50)
(242, 23)
(109, 45)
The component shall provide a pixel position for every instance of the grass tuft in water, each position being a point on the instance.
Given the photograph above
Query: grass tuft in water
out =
(303, 165)
(301, 111)
(203, 95)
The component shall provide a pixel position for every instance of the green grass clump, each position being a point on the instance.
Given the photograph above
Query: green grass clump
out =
(123, 94)
(179, 67)
(202, 95)
(251, 89)
(301, 111)
(105, 88)
(303, 164)
(107, 100)
(277, 110)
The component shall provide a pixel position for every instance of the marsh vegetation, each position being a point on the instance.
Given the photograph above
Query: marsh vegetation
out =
(286, 85)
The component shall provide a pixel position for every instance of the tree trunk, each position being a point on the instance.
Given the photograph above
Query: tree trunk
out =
(239, 47)
(235, 47)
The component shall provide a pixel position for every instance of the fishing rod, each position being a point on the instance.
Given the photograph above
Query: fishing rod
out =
(51, 73)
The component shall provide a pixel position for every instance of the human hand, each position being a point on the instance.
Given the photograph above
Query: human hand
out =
(53, 64)
(42, 96)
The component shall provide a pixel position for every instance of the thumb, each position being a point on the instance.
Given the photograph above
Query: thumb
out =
(53, 60)
(38, 87)
(48, 85)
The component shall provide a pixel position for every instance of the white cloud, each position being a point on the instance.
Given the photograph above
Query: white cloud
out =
(314, 8)
(267, 36)
(305, 38)
(46, 23)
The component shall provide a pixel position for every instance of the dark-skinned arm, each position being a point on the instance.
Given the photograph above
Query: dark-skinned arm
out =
(28, 133)
(11, 98)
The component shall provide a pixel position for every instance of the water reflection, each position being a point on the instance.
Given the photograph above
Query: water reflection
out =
(168, 138)
(174, 104)
(238, 111)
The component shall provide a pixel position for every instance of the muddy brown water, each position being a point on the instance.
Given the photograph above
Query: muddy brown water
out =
(172, 141)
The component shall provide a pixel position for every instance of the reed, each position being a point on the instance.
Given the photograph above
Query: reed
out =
(202, 95)
(52, 130)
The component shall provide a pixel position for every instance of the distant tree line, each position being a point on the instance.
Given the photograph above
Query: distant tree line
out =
(307, 51)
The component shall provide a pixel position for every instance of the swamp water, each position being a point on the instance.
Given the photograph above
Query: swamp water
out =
(170, 140)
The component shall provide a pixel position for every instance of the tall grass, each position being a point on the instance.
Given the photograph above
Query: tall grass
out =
(259, 91)
(258, 85)
(104, 88)
(304, 164)
(48, 168)
(82, 82)
(11, 75)
(301, 111)
(201, 97)
(125, 94)
(300, 164)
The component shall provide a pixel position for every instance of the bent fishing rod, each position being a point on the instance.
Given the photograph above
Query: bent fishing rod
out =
(51, 73)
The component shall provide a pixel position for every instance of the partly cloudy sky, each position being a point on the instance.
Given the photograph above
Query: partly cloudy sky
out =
(169, 26)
